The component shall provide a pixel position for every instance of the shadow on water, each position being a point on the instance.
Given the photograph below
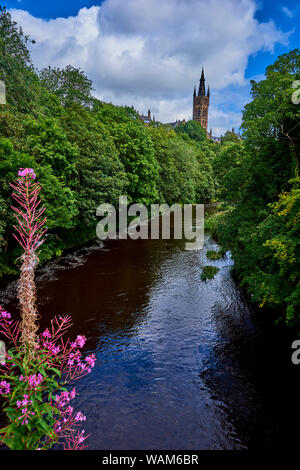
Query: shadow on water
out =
(178, 358)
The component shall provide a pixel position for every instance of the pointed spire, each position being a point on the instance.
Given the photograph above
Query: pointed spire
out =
(194, 91)
(208, 92)
(201, 91)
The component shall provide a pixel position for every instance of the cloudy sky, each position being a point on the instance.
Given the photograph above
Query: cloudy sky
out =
(149, 53)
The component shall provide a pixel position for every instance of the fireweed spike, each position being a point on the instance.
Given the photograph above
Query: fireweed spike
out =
(37, 367)
(29, 234)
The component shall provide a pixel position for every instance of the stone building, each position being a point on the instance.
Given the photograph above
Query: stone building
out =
(176, 123)
(146, 118)
(201, 103)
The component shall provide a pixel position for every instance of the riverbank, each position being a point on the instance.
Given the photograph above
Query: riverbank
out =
(269, 315)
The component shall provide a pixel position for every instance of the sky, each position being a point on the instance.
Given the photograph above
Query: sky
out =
(149, 53)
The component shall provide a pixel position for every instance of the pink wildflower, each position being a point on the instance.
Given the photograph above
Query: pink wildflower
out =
(4, 388)
(4, 314)
(80, 437)
(91, 360)
(24, 402)
(27, 171)
(51, 347)
(34, 380)
(57, 427)
(79, 417)
(25, 415)
(79, 342)
(64, 397)
(74, 357)
(46, 334)
(25, 412)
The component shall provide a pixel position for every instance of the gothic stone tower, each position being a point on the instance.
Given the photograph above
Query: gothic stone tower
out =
(201, 103)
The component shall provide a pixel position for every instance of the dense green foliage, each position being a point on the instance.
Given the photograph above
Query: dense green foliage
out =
(259, 179)
(215, 255)
(229, 136)
(192, 130)
(208, 272)
(85, 152)
(185, 174)
(70, 85)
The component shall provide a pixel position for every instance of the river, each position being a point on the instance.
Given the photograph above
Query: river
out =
(181, 363)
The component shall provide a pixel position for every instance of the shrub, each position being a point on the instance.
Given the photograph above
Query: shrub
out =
(38, 368)
(208, 272)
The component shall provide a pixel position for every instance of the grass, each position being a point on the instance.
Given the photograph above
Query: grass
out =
(208, 272)
(214, 221)
(215, 255)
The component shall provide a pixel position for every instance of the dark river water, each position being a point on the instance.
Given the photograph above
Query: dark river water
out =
(181, 363)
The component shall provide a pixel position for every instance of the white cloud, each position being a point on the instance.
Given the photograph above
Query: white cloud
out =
(287, 12)
(224, 121)
(149, 53)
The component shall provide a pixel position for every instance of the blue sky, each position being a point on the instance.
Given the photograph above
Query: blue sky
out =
(149, 53)
(287, 16)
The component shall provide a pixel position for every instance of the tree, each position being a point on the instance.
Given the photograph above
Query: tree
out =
(230, 170)
(262, 228)
(185, 167)
(271, 119)
(100, 175)
(136, 151)
(60, 201)
(191, 129)
(276, 280)
(70, 84)
(230, 136)
(15, 66)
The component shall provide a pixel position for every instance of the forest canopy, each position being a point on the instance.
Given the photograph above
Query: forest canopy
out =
(85, 152)
(258, 179)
